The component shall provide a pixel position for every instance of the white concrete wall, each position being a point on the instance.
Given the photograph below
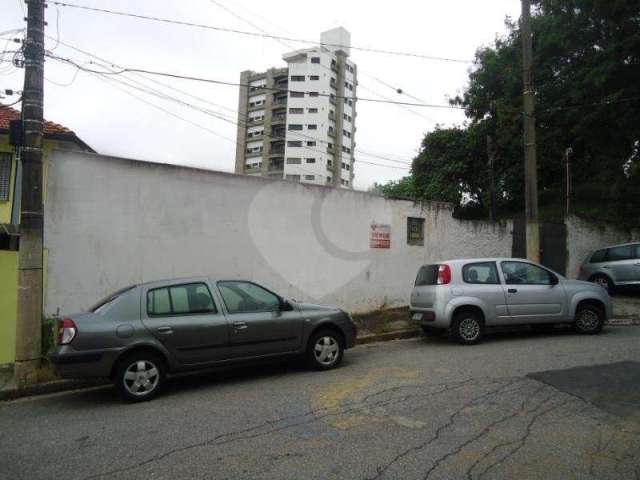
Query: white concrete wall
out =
(585, 236)
(112, 222)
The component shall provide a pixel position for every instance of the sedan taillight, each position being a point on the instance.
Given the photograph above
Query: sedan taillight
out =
(67, 331)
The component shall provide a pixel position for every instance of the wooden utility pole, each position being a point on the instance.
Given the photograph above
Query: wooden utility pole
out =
(567, 164)
(530, 168)
(28, 328)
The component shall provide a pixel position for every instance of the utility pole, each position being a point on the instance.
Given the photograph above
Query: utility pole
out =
(567, 164)
(28, 328)
(530, 168)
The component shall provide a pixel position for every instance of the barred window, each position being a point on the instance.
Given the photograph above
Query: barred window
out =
(415, 231)
(5, 175)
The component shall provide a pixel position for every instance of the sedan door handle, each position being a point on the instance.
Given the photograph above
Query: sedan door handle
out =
(165, 330)
(240, 325)
(512, 290)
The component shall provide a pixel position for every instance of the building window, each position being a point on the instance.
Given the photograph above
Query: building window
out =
(294, 143)
(314, 77)
(295, 126)
(313, 110)
(293, 177)
(311, 144)
(415, 231)
(329, 179)
(315, 59)
(297, 78)
(312, 126)
(5, 175)
(293, 161)
(310, 160)
(309, 177)
(297, 94)
(313, 94)
(296, 110)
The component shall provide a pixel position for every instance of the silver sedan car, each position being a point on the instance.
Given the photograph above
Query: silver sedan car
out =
(143, 332)
(465, 296)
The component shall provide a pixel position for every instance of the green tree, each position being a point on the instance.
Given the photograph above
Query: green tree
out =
(587, 76)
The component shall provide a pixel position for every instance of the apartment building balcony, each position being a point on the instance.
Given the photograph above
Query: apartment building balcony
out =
(332, 99)
(277, 148)
(334, 66)
(279, 101)
(253, 154)
(279, 119)
(276, 164)
(331, 132)
(278, 134)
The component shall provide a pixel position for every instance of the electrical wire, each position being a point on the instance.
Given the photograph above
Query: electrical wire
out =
(254, 34)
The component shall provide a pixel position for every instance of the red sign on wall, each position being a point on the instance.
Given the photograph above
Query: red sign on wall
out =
(380, 236)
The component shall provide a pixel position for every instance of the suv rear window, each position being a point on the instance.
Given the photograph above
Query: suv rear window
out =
(598, 256)
(619, 253)
(427, 275)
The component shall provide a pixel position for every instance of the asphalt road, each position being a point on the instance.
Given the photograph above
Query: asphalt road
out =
(514, 407)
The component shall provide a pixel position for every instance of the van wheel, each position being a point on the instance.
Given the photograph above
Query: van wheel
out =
(140, 377)
(604, 282)
(325, 350)
(589, 320)
(467, 327)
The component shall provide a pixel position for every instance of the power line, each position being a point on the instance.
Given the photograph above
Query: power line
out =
(109, 64)
(109, 80)
(236, 84)
(254, 34)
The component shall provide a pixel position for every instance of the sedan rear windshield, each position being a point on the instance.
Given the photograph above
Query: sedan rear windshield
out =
(110, 298)
(427, 275)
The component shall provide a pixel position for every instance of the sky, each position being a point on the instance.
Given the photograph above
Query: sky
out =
(116, 119)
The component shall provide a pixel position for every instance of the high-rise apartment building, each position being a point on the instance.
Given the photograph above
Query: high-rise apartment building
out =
(298, 122)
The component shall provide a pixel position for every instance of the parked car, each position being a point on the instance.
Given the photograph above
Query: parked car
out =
(612, 267)
(466, 296)
(143, 332)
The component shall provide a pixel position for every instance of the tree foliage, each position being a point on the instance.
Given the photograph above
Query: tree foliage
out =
(587, 76)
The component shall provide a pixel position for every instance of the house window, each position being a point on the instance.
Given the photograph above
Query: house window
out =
(294, 143)
(293, 161)
(293, 177)
(297, 78)
(313, 110)
(5, 175)
(415, 231)
(296, 110)
(311, 144)
(315, 59)
(313, 94)
(310, 160)
(329, 179)
(295, 126)
(297, 94)
(312, 126)
(314, 77)
(309, 177)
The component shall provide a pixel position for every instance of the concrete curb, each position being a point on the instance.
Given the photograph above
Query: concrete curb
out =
(385, 337)
(623, 322)
(54, 386)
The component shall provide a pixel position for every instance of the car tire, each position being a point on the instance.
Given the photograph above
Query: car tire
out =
(589, 319)
(603, 281)
(325, 350)
(467, 327)
(140, 377)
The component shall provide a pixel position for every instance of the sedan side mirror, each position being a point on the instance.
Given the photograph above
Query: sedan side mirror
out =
(554, 279)
(285, 306)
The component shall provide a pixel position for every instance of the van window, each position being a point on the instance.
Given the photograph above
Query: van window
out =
(427, 275)
(619, 253)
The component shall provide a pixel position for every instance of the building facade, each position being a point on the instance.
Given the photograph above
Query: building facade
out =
(298, 122)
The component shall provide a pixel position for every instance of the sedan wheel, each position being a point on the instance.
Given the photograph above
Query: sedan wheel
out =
(139, 377)
(325, 350)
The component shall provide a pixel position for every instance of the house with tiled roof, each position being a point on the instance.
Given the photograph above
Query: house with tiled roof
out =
(56, 137)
